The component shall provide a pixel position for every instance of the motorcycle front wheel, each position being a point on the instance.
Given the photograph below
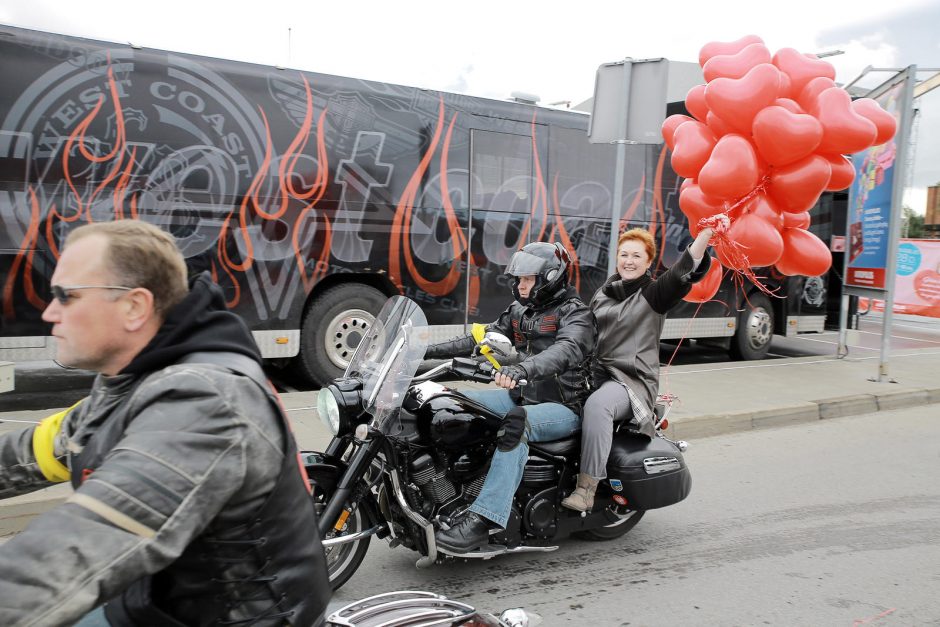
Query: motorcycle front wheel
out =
(342, 560)
(626, 522)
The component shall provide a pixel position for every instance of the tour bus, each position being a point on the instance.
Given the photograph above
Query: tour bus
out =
(312, 198)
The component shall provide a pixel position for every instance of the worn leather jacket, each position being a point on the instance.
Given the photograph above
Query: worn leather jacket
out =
(189, 505)
(555, 341)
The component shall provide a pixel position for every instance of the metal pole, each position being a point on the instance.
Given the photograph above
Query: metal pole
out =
(897, 195)
(616, 203)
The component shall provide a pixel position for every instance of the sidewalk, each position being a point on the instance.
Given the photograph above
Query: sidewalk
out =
(711, 400)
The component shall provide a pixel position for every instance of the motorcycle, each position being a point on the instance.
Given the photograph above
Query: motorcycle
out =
(412, 608)
(410, 455)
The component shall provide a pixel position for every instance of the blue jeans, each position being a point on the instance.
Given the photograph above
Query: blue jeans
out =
(547, 422)
(94, 618)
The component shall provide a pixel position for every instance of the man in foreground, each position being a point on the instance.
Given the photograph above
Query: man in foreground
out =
(189, 505)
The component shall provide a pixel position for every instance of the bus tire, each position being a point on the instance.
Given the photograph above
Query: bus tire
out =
(755, 329)
(331, 329)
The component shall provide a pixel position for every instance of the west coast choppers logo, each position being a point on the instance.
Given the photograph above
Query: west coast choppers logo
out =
(173, 143)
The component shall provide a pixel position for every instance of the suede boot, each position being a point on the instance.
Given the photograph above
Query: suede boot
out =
(582, 499)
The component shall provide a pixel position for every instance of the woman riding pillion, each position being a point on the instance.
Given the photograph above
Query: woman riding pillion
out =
(553, 331)
(630, 309)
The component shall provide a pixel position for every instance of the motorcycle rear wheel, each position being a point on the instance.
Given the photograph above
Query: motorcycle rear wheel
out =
(614, 530)
(343, 560)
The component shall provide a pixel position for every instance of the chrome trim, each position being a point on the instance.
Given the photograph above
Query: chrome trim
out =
(493, 550)
(359, 535)
(431, 557)
(656, 465)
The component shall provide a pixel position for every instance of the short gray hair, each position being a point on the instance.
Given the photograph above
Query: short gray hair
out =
(140, 254)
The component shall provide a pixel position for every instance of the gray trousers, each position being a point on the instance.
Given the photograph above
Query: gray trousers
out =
(606, 404)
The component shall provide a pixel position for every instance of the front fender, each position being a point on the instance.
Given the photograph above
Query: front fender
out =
(324, 473)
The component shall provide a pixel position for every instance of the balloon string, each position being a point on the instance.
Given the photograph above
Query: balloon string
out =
(665, 374)
(734, 252)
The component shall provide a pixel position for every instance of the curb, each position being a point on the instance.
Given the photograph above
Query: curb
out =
(694, 427)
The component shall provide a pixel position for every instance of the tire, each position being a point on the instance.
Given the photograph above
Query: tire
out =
(755, 329)
(612, 531)
(343, 560)
(331, 330)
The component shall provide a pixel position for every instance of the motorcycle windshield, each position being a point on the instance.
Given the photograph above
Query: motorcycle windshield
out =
(388, 357)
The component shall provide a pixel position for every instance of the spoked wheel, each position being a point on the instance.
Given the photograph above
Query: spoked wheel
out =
(342, 560)
(625, 522)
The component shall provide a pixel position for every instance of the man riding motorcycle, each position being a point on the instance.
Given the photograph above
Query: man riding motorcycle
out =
(553, 331)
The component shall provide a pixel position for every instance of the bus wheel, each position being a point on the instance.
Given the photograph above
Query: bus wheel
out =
(755, 329)
(332, 328)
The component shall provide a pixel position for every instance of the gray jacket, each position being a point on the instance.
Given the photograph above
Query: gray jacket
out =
(630, 317)
(200, 456)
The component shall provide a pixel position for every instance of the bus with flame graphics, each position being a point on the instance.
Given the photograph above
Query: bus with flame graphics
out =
(312, 198)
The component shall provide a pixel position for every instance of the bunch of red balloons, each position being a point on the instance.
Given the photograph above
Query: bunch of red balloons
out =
(768, 135)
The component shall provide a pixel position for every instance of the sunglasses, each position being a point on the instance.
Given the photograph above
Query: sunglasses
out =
(63, 295)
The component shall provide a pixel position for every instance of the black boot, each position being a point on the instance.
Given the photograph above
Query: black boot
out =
(469, 533)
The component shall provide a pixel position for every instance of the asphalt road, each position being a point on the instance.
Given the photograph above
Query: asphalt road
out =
(828, 523)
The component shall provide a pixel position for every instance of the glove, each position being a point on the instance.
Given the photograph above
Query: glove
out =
(513, 373)
(512, 431)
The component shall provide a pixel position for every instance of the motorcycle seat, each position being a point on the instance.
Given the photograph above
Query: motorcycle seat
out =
(559, 448)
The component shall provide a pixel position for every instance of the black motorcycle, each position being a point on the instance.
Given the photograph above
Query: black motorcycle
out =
(409, 455)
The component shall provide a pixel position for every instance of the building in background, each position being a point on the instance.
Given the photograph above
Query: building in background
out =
(932, 213)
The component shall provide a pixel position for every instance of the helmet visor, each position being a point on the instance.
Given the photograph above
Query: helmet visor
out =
(525, 264)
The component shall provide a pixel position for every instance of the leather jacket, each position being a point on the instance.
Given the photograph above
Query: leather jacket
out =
(555, 342)
(189, 506)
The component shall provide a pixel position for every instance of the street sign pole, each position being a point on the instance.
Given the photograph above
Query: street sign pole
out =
(897, 195)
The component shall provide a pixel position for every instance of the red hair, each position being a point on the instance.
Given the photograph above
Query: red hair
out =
(639, 235)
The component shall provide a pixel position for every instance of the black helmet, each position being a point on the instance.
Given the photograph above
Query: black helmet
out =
(549, 263)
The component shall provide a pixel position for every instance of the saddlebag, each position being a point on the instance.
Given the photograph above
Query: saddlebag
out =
(647, 473)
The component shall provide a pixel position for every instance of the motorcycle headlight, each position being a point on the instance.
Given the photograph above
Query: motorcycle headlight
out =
(340, 405)
(328, 409)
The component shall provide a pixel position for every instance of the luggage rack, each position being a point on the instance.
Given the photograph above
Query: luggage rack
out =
(404, 608)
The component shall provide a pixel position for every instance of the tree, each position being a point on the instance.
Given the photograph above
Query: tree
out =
(912, 223)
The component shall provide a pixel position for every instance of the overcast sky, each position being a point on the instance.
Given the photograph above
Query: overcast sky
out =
(491, 48)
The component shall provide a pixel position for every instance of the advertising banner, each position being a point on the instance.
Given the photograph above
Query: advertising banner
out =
(917, 285)
(869, 218)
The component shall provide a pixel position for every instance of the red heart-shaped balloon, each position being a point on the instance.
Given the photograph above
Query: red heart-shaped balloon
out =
(708, 285)
(718, 126)
(758, 241)
(790, 105)
(800, 220)
(736, 65)
(884, 122)
(786, 87)
(803, 254)
(844, 130)
(783, 137)
(692, 144)
(797, 186)
(714, 48)
(738, 100)
(732, 169)
(843, 172)
(807, 97)
(762, 206)
(801, 68)
(696, 205)
(670, 125)
(695, 103)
